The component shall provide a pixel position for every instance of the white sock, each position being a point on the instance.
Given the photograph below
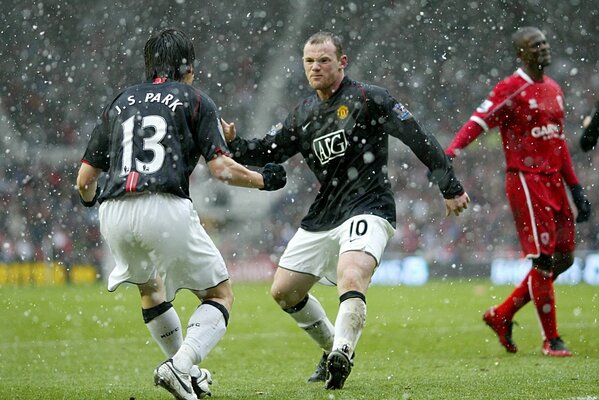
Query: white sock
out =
(349, 324)
(166, 331)
(313, 319)
(206, 327)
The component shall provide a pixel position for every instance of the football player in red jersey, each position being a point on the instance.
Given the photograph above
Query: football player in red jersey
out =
(528, 109)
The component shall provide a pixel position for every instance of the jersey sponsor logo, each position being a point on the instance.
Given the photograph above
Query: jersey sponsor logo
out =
(550, 131)
(485, 106)
(401, 111)
(306, 126)
(342, 112)
(329, 146)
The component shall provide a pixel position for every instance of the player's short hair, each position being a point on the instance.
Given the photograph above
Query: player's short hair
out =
(168, 53)
(520, 34)
(323, 37)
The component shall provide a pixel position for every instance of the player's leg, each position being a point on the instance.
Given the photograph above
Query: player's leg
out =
(207, 325)
(362, 242)
(189, 259)
(160, 317)
(354, 271)
(290, 290)
(558, 228)
(309, 256)
(543, 295)
(561, 263)
(562, 259)
(499, 317)
(565, 244)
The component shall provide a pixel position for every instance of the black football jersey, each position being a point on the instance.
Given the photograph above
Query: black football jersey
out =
(344, 141)
(151, 137)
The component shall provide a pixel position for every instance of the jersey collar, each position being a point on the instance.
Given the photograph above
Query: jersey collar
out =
(524, 75)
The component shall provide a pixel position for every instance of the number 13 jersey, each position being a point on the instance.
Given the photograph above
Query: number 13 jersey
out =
(151, 137)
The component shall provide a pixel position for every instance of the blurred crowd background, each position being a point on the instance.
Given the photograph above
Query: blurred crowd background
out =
(62, 61)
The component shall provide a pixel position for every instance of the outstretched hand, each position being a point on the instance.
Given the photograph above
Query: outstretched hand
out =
(228, 130)
(457, 204)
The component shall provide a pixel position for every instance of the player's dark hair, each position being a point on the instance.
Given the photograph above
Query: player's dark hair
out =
(323, 37)
(519, 36)
(168, 53)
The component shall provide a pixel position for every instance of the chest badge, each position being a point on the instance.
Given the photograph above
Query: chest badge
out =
(342, 112)
(532, 104)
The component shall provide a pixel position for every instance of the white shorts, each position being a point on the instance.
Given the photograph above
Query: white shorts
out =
(317, 253)
(153, 235)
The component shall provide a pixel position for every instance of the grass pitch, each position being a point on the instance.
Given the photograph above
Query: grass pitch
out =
(429, 342)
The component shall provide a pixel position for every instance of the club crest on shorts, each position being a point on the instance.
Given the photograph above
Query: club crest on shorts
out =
(545, 238)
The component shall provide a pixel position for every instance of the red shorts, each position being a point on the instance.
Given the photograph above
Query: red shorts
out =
(542, 212)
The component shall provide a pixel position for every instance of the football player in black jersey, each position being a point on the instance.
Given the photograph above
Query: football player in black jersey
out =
(342, 132)
(149, 140)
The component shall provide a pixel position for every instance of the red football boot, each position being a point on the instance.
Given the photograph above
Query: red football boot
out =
(556, 348)
(502, 327)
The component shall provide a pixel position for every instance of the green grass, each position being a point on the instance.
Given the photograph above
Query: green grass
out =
(81, 342)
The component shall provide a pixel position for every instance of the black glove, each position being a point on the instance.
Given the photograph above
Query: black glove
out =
(92, 202)
(581, 202)
(587, 142)
(274, 176)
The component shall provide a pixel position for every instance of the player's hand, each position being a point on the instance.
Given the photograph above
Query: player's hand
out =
(275, 176)
(228, 130)
(582, 203)
(457, 204)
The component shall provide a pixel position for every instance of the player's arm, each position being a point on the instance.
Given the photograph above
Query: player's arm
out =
(273, 148)
(488, 114)
(466, 135)
(591, 132)
(87, 184)
(227, 170)
(428, 150)
(400, 123)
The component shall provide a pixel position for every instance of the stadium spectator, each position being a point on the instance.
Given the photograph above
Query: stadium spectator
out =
(149, 139)
(528, 109)
(342, 131)
(591, 130)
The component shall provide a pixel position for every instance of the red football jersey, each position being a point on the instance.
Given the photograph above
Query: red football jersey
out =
(530, 118)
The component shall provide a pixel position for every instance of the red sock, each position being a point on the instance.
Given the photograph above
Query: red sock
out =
(541, 291)
(515, 301)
